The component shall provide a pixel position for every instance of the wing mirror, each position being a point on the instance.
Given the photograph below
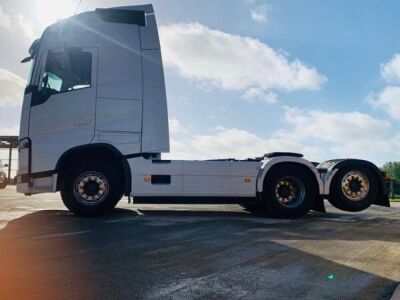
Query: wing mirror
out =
(26, 59)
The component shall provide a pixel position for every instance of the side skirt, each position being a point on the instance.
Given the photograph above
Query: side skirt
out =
(193, 200)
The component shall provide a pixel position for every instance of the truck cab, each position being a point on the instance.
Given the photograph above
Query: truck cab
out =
(94, 124)
(94, 77)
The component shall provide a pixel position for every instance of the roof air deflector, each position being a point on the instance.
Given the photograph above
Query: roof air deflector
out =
(115, 15)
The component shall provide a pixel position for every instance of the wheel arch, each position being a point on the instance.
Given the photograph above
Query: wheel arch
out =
(93, 150)
(285, 160)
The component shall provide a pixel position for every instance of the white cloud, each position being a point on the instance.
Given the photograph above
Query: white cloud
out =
(232, 62)
(175, 126)
(390, 71)
(4, 19)
(25, 26)
(230, 143)
(9, 130)
(334, 127)
(319, 135)
(388, 100)
(51, 11)
(22, 23)
(257, 94)
(350, 134)
(259, 13)
(11, 88)
(238, 143)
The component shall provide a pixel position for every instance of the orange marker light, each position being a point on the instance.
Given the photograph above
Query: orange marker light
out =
(147, 178)
(247, 180)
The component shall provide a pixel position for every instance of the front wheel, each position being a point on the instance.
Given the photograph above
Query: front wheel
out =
(289, 192)
(91, 188)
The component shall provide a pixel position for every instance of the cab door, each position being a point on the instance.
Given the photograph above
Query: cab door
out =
(62, 113)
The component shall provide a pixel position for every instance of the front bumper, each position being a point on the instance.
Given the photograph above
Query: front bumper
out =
(37, 185)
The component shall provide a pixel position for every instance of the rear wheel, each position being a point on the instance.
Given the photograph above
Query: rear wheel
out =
(354, 188)
(289, 192)
(91, 188)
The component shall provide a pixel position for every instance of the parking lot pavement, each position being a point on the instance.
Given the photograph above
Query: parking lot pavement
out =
(198, 251)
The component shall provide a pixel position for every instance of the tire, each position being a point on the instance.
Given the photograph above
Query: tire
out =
(289, 192)
(91, 188)
(3, 185)
(346, 191)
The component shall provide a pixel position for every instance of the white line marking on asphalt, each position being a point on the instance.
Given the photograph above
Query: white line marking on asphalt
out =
(60, 234)
(361, 252)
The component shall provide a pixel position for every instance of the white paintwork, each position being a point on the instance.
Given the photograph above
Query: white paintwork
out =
(39, 185)
(142, 168)
(206, 178)
(241, 173)
(116, 116)
(26, 107)
(195, 178)
(327, 180)
(64, 121)
(155, 114)
(149, 34)
(23, 161)
(22, 188)
(120, 138)
(120, 70)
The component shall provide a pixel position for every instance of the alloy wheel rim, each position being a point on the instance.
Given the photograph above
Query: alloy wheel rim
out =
(91, 188)
(290, 191)
(355, 185)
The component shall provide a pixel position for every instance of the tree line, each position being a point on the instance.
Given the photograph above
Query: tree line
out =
(392, 170)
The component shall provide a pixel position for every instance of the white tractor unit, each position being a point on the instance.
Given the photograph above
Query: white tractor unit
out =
(94, 124)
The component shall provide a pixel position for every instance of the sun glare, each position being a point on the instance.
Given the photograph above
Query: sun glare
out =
(51, 11)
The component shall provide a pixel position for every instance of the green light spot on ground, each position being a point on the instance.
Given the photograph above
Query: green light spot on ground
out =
(330, 276)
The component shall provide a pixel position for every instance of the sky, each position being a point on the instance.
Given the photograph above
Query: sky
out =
(248, 77)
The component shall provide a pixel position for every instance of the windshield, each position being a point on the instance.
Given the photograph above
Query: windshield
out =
(33, 49)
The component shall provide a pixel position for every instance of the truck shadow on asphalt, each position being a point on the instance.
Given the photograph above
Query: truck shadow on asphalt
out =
(179, 254)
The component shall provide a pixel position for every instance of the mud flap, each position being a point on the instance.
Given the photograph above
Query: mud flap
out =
(319, 205)
(382, 200)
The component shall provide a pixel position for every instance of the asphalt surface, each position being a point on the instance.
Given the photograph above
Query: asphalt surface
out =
(189, 252)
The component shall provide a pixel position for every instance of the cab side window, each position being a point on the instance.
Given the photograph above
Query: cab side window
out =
(67, 71)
